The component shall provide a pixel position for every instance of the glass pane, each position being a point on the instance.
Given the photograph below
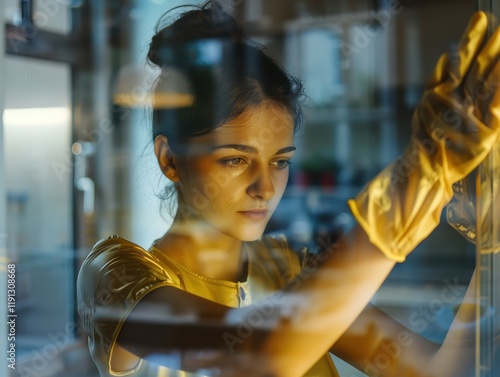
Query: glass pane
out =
(37, 134)
(365, 65)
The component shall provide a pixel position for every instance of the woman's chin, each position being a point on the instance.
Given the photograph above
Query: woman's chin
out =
(252, 239)
(242, 231)
(249, 235)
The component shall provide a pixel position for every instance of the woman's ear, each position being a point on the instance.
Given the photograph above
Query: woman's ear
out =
(165, 158)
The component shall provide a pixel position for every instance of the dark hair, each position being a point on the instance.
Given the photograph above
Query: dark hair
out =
(227, 73)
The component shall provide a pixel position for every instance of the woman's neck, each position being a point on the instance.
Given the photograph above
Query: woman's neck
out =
(205, 251)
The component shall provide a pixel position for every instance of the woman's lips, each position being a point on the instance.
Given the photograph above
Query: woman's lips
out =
(255, 214)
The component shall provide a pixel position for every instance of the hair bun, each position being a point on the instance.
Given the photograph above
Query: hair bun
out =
(167, 46)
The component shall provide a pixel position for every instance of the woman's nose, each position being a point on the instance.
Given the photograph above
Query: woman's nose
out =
(262, 186)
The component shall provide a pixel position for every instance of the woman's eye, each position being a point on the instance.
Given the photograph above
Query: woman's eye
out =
(233, 162)
(282, 164)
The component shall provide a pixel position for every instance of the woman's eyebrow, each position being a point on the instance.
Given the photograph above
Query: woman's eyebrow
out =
(240, 147)
(249, 149)
(286, 150)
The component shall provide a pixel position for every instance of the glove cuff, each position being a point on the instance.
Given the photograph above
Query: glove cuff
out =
(402, 205)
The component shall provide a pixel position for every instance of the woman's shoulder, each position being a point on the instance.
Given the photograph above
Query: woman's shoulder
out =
(111, 246)
(115, 252)
(117, 265)
(115, 276)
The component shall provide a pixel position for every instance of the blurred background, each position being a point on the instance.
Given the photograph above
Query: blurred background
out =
(76, 161)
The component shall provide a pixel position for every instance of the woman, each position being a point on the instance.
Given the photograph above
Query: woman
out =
(215, 297)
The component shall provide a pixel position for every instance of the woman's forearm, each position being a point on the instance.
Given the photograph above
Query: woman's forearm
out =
(455, 357)
(380, 346)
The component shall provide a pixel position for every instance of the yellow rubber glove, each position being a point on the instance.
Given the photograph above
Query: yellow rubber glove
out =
(403, 204)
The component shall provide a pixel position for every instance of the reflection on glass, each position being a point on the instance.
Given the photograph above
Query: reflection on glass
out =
(371, 106)
(364, 67)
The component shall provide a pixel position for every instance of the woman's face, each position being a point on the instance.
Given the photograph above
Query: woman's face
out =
(233, 178)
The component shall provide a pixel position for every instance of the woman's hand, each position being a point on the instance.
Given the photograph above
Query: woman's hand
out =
(458, 119)
(454, 128)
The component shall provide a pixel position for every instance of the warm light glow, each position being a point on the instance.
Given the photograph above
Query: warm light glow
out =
(146, 86)
(158, 100)
(130, 100)
(172, 100)
(36, 116)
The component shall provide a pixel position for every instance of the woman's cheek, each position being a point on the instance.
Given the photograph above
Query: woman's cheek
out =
(282, 180)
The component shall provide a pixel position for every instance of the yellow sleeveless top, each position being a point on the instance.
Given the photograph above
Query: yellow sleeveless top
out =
(117, 274)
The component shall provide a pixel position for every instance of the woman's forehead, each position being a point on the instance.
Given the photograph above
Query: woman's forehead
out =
(263, 127)
(264, 120)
